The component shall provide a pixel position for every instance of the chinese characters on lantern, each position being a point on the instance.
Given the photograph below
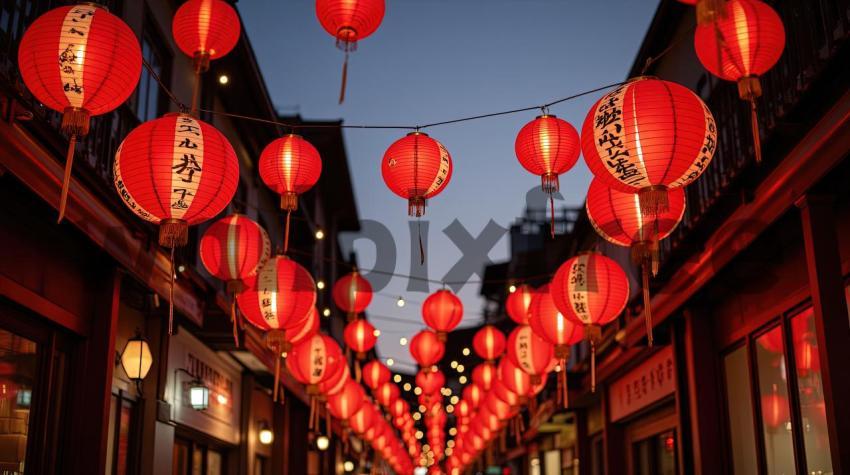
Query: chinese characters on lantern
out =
(609, 123)
(187, 164)
(72, 50)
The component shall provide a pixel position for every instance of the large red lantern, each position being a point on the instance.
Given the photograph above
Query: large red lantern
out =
(82, 61)
(349, 22)
(593, 290)
(483, 375)
(233, 249)
(426, 348)
(616, 217)
(489, 342)
(205, 30)
(375, 374)
(416, 167)
(442, 311)
(517, 303)
(352, 294)
(175, 171)
(549, 323)
(740, 44)
(648, 136)
(311, 362)
(548, 146)
(529, 352)
(431, 381)
(344, 404)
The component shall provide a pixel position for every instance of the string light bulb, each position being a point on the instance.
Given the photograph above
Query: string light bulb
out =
(224, 80)
(400, 302)
(320, 234)
(320, 284)
(512, 288)
(402, 341)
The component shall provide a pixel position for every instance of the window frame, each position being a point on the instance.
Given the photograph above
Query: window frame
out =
(153, 35)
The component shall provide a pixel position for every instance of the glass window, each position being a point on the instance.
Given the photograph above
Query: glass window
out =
(17, 377)
(810, 388)
(148, 96)
(740, 412)
(775, 410)
(655, 455)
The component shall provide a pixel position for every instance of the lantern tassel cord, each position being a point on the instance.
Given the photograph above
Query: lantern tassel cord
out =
(592, 366)
(328, 423)
(276, 372)
(196, 93)
(358, 372)
(421, 246)
(171, 296)
(66, 180)
(647, 303)
(552, 216)
(344, 79)
(754, 121)
(286, 232)
(565, 388)
(233, 319)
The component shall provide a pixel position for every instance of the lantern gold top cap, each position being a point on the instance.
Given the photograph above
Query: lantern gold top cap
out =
(95, 5)
(417, 132)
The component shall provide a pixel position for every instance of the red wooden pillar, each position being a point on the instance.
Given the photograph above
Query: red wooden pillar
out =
(823, 262)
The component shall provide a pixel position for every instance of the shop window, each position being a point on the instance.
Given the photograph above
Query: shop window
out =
(775, 408)
(742, 438)
(17, 376)
(149, 99)
(655, 455)
(810, 390)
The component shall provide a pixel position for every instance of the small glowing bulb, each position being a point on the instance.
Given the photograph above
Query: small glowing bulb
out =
(466, 352)
(454, 400)
(223, 79)
(419, 434)
(417, 416)
(422, 408)
(407, 387)
(397, 378)
(377, 333)
(402, 341)
(390, 361)
(558, 368)
(512, 288)
(450, 444)
(348, 466)
(453, 364)
(322, 443)
(326, 312)
(460, 368)
(320, 234)
(400, 302)
(450, 409)
(181, 268)
(462, 379)
(266, 436)
(417, 390)
(320, 284)
(453, 432)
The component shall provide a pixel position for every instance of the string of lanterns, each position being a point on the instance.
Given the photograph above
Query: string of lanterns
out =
(644, 141)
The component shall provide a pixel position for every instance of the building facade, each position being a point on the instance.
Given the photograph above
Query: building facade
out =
(73, 294)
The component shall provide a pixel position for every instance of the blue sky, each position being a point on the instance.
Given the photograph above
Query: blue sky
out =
(433, 60)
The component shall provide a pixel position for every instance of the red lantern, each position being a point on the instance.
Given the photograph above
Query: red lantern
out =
(514, 378)
(334, 383)
(387, 393)
(426, 348)
(774, 408)
(442, 311)
(349, 22)
(489, 343)
(360, 336)
(483, 375)
(549, 323)
(344, 404)
(416, 167)
(363, 419)
(742, 42)
(430, 381)
(81, 61)
(648, 136)
(593, 290)
(233, 249)
(175, 171)
(205, 30)
(529, 352)
(304, 329)
(548, 146)
(399, 408)
(504, 394)
(312, 361)
(473, 394)
(352, 294)
(375, 374)
(517, 304)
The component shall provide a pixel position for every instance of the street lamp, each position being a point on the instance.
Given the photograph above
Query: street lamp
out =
(199, 395)
(266, 436)
(136, 358)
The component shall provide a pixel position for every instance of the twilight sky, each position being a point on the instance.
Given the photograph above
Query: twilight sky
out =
(434, 60)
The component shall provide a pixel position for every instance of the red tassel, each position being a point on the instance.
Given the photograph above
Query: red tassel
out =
(235, 323)
(552, 214)
(563, 378)
(171, 297)
(276, 373)
(592, 366)
(66, 181)
(754, 123)
(286, 233)
(647, 303)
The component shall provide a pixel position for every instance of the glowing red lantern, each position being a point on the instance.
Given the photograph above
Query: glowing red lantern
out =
(529, 352)
(233, 249)
(504, 394)
(514, 378)
(483, 375)
(416, 167)
(488, 343)
(648, 136)
(399, 408)
(304, 328)
(740, 44)
(363, 419)
(352, 294)
(360, 336)
(517, 304)
(311, 362)
(375, 374)
(548, 146)
(473, 394)
(344, 404)
(334, 383)
(442, 311)
(386, 394)
(430, 381)
(349, 22)
(774, 409)
(593, 290)
(82, 61)
(205, 30)
(426, 348)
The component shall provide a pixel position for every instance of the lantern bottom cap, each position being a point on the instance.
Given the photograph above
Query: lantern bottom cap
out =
(653, 200)
(416, 207)
(173, 233)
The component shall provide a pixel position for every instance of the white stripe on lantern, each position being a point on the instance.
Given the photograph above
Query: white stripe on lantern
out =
(638, 217)
(267, 284)
(73, 40)
(739, 19)
(610, 123)
(442, 172)
(204, 19)
(577, 289)
(124, 192)
(639, 148)
(187, 165)
(318, 357)
(233, 247)
(523, 349)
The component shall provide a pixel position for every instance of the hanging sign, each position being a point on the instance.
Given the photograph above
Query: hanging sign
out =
(650, 382)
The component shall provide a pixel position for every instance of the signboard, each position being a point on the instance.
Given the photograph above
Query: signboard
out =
(650, 382)
(221, 375)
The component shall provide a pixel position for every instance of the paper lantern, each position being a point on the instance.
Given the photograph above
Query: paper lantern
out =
(82, 61)
(399, 408)
(648, 136)
(344, 404)
(431, 381)
(548, 146)
(352, 294)
(740, 44)
(387, 393)
(442, 311)
(363, 419)
(334, 383)
(529, 352)
(233, 249)
(426, 348)
(205, 30)
(304, 328)
(311, 362)
(517, 304)
(514, 378)
(175, 171)
(349, 22)
(549, 323)
(488, 343)
(375, 374)
(473, 394)
(417, 168)
(360, 336)
(483, 375)
(593, 290)
(775, 412)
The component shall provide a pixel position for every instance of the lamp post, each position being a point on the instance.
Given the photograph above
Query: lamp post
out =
(136, 358)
